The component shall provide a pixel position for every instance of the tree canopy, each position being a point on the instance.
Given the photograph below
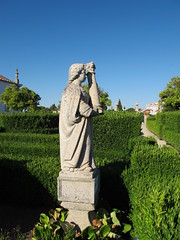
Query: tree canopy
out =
(130, 110)
(53, 108)
(170, 97)
(21, 99)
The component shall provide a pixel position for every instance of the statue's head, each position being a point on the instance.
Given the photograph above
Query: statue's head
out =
(75, 71)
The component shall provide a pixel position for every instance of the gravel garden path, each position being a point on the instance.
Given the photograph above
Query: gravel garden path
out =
(145, 132)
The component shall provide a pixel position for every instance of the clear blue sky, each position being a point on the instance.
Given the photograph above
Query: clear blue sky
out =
(135, 45)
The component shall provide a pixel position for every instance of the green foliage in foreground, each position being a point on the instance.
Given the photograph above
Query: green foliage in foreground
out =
(30, 122)
(153, 181)
(111, 131)
(104, 226)
(35, 159)
(166, 125)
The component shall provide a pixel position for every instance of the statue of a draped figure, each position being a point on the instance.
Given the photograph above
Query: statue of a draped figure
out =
(75, 125)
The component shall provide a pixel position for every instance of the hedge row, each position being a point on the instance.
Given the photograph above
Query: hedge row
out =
(29, 167)
(29, 138)
(30, 122)
(153, 181)
(35, 159)
(170, 120)
(166, 125)
(111, 130)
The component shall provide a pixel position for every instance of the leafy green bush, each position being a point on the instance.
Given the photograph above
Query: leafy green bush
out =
(104, 226)
(172, 138)
(30, 122)
(153, 181)
(29, 138)
(166, 125)
(36, 162)
(35, 157)
(170, 120)
(141, 140)
(2, 129)
(113, 130)
(154, 126)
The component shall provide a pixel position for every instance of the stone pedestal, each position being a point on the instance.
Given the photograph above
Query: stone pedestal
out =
(79, 192)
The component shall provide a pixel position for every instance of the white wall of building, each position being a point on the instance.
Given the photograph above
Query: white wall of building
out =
(3, 85)
(154, 107)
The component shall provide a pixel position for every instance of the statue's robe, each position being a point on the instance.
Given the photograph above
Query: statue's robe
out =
(75, 128)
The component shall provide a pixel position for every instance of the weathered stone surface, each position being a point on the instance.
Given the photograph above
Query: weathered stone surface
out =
(75, 125)
(79, 190)
(79, 180)
(81, 219)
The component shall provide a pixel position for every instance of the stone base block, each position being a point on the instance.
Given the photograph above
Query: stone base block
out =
(80, 219)
(79, 190)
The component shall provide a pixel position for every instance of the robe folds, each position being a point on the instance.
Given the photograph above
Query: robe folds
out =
(75, 128)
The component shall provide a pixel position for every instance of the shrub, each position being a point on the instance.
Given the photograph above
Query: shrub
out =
(141, 140)
(113, 130)
(166, 125)
(172, 138)
(35, 157)
(36, 162)
(153, 182)
(171, 120)
(30, 122)
(105, 225)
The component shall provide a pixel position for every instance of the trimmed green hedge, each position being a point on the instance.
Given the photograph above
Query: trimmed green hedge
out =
(30, 164)
(29, 167)
(170, 120)
(141, 140)
(35, 157)
(166, 125)
(112, 130)
(30, 122)
(153, 181)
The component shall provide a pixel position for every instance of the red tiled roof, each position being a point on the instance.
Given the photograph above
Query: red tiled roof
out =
(4, 79)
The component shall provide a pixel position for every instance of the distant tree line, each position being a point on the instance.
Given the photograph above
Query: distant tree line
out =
(25, 100)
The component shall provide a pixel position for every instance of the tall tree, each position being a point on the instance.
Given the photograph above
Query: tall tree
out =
(119, 105)
(21, 99)
(170, 97)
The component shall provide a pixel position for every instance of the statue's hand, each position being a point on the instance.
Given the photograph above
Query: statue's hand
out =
(90, 67)
(100, 110)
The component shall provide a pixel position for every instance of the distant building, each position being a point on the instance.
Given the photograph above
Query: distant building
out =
(153, 108)
(137, 107)
(4, 82)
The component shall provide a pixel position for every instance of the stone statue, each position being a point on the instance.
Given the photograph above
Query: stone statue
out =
(75, 126)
